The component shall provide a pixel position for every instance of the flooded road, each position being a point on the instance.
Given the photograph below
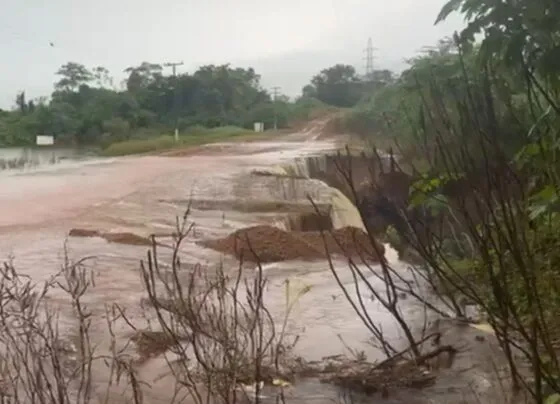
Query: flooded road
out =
(144, 195)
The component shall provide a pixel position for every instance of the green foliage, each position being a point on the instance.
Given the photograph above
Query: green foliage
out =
(307, 107)
(193, 136)
(389, 106)
(340, 86)
(137, 146)
(553, 399)
(520, 33)
(492, 110)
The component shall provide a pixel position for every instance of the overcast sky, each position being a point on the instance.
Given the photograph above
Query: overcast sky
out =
(286, 41)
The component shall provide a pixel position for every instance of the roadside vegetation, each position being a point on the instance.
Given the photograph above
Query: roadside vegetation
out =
(475, 124)
(87, 108)
(194, 136)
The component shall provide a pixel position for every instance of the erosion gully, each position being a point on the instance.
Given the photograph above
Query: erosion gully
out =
(143, 195)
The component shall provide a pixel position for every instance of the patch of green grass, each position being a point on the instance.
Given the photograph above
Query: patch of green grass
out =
(194, 136)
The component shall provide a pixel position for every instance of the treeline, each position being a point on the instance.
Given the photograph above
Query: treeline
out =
(86, 108)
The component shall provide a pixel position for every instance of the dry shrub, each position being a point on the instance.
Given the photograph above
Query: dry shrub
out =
(38, 363)
(215, 323)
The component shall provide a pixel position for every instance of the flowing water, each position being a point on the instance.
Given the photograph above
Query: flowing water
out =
(143, 195)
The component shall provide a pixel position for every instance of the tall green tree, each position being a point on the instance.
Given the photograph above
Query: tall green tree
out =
(73, 75)
(338, 85)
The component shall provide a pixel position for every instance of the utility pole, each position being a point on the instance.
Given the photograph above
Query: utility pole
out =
(369, 59)
(275, 92)
(173, 66)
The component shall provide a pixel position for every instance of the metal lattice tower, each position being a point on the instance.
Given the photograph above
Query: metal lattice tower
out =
(369, 59)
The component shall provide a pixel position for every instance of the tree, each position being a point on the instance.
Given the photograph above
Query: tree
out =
(21, 102)
(382, 77)
(338, 85)
(140, 77)
(102, 77)
(73, 76)
(309, 91)
(521, 33)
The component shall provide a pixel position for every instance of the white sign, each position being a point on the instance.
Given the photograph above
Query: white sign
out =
(259, 126)
(45, 140)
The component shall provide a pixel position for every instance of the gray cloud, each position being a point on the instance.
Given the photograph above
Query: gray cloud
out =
(287, 42)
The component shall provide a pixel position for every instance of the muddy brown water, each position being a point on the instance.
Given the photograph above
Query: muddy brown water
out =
(143, 195)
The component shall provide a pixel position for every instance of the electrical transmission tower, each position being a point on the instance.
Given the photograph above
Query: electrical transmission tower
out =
(173, 66)
(369, 59)
(275, 93)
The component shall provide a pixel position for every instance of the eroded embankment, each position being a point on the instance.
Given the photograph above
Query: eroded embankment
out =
(379, 193)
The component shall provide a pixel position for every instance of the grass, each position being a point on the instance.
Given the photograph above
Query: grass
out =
(194, 136)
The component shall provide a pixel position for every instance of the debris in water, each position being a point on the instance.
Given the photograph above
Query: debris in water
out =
(126, 238)
(153, 343)
(396, 372)
(83, 233)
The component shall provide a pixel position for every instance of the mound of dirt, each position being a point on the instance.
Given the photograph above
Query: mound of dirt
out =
(270, 244)
(264, 244)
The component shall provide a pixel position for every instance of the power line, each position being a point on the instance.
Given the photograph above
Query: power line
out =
(173, 66)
